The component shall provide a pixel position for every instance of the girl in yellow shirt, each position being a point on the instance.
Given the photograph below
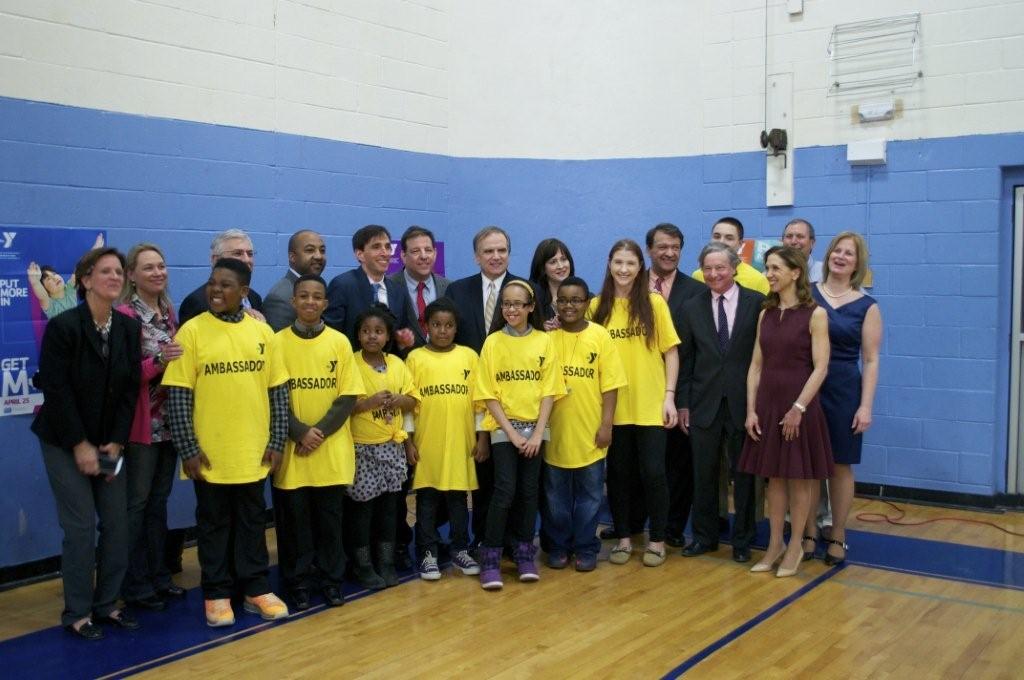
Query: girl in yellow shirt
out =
(518, 380)
(380, 443)
(641, 326)
(445, 443)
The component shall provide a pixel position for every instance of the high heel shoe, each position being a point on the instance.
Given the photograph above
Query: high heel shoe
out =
(809, 555)
(784, 572)
(830, 559)
(764, 565)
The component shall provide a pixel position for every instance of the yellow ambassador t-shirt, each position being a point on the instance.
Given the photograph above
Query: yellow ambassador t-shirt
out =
(590, 367)
(445, 425)
(320, 370)
(640, 401)
(382, 424)
(229, 367)
(517, 371)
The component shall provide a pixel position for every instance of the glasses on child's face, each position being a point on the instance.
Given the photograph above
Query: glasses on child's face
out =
(574, 301)
(513, 304)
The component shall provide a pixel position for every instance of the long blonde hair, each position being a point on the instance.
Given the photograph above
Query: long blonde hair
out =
(857, 278)
(132, 258)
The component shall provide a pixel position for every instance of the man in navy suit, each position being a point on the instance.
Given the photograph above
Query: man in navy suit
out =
(353, 292)
(717, 341)
(477, 298)
(230, 243)
(417, 275)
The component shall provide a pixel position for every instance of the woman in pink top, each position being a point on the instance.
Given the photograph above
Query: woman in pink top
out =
(150, 458)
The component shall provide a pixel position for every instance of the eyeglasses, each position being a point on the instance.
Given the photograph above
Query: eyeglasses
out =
(237, 253)
(514, 304)
(574, 301)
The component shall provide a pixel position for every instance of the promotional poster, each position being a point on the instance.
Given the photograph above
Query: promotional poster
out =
(36, 283)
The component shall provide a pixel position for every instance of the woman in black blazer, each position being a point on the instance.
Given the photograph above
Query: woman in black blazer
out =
(89, 375)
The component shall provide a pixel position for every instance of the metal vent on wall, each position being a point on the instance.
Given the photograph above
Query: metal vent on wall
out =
(878, 55)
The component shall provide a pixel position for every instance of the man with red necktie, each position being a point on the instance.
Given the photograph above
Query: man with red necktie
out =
(417, 275)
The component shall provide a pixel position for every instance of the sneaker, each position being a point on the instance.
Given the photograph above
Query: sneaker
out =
(490, 568)
(586, 562)
(620, 554)
(467, 564)
(219, 613)
(428, 568)
(268, 606)
(525, 563)
(558, 560)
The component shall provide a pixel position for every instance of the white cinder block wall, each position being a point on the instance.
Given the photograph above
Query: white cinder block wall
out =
(367, 71)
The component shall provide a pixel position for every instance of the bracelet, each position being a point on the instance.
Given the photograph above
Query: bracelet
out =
(800, 407)
(670, 391)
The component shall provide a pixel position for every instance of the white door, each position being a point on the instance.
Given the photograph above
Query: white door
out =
(1015, 473)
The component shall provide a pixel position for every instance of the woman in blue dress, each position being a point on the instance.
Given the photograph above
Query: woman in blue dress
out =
(855, 333)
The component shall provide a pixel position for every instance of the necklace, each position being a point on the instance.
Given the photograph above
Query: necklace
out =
(835, 296)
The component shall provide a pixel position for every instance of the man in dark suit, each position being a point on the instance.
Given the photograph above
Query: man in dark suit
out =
(307, 255)
(353, 292)
(230, 243)
(664, 247)
(417, 275)
(477, 298)
(719, 328)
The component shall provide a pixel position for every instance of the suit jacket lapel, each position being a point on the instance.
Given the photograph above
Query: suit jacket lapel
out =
(708, 320)
(89, 329)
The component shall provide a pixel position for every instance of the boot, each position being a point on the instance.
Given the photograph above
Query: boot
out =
(386, 563)
(525, 562)
(364, 572)
(490, 568)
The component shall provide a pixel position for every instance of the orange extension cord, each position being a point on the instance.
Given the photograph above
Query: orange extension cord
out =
(898, 520)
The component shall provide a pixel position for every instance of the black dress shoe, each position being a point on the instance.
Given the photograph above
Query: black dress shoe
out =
(300, 599)
(123, 620)
(675, 541)
(740, 555)
(607, 534)
(332, 596)
(698, 548)
(150, 602)
(87, 631)
(171, 591)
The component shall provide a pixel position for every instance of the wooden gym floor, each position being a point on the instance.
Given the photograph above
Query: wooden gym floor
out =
(942, 600)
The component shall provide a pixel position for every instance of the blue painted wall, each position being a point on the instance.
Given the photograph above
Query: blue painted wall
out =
(936, 216)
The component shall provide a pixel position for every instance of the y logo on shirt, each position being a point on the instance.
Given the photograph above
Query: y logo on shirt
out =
(590, 359)
(540, 359)
(465, 374)
(261, 346)
(332, 366)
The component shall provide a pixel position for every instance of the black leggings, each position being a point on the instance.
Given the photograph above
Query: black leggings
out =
(375, 519)
(638, 450)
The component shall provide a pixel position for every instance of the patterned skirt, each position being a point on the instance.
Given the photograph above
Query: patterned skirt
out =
(380, 468)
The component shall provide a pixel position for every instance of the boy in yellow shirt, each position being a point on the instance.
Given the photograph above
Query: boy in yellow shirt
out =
(581, 429)
(319, 458)
(227, 407)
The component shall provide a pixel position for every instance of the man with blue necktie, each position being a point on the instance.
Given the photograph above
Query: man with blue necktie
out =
(353, 292)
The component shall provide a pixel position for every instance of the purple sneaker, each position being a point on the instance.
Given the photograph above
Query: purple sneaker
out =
(490, 568)
(525, 563)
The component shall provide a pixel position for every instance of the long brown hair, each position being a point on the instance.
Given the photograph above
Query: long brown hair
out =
(794, 259)
(641, 312)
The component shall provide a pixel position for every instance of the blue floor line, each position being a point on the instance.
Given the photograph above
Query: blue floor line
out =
(180, 630)
(751, 623)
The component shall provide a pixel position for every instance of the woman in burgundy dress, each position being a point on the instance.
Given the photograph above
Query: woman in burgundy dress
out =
(787, 435)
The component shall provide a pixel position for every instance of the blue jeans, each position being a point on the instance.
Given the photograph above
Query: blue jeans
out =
(573, 503)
